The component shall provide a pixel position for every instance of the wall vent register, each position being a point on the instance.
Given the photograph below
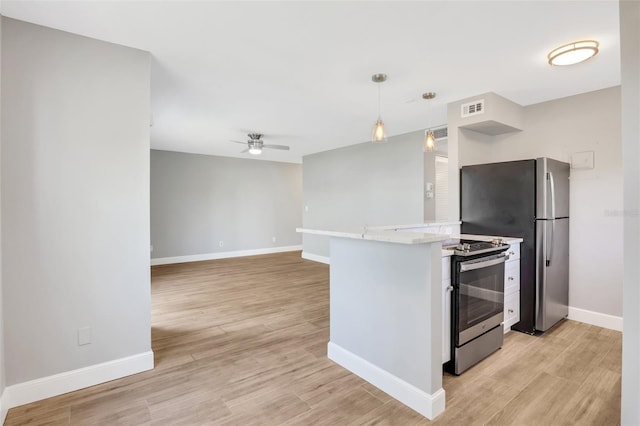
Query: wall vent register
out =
(473, 108)
(441, 133)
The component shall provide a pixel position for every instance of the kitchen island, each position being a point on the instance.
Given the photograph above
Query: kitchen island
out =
(386, 312)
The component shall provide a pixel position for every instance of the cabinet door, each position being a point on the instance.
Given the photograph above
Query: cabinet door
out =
(511, 310)
(511, 277)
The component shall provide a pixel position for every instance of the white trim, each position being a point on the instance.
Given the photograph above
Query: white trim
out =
(222, 255)
(46, 387)
(315, 257)
(429, 405)
(3, 407)
(595, 318)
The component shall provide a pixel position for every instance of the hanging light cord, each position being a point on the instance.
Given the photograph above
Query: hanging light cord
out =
(379, 103)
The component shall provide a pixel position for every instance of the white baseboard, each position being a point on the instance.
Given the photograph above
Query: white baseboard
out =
(222, 255)
(3, 408)
(429, 405)
(315, 257)
(46, 387)
(595, 318)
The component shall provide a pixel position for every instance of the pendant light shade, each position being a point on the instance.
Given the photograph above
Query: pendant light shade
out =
(429, 141)
(379, 135)
(378, 132)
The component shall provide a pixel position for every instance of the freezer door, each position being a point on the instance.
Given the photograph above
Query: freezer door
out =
(552, 264)
(552, 189)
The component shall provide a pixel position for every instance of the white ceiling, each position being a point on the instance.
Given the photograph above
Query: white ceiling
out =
(300, 72)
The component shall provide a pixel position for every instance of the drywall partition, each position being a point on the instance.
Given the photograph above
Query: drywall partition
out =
(558, 129)
(630, 54)
(206, 206)
(75, 210)
(3, 409)
(364, 184)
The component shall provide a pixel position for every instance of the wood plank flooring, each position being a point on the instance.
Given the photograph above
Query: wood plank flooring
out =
(243, 342)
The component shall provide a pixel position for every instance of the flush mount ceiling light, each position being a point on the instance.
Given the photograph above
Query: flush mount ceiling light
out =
(573, 53)
(429, 143)
(379, 135)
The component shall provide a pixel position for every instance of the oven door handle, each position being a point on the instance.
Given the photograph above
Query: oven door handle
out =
(470, 266)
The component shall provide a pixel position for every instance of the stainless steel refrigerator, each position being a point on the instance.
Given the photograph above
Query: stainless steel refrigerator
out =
(527, 199)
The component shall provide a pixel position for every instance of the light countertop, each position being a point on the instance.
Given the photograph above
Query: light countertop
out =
(390, 235)
(415, 226)
(377, 234)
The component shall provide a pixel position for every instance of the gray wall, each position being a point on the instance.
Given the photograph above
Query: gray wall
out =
(199, 200)
(557, 129)
(386, 307)
(364, 184)
(630, 54)
(75, 211)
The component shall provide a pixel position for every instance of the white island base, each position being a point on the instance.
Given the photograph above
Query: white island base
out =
(386, 313)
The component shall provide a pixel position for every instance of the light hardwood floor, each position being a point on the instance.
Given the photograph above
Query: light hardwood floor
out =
(243, 342)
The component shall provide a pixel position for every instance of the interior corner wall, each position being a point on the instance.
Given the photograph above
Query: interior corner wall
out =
(75, 201)
(364, 184)
(197, 201)
(558, 129)
(630, 100)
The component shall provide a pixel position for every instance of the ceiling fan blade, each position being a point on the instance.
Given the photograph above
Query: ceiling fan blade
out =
(276, 147)
(245, 150)
(243, 143)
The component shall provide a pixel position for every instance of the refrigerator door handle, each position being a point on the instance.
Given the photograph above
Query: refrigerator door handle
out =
(552, 186)
(549, 248)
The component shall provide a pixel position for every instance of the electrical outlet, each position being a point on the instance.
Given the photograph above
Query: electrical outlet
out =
(273, 239)
(221, 243)
(84, 336)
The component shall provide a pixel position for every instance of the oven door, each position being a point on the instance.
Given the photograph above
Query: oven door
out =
(479, 296)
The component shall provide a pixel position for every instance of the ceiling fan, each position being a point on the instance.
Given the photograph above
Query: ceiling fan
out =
(255, 144)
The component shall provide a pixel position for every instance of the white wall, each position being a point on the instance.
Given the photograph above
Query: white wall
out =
(630, 54)
(364, 184)
(75, 210)
(199, 200)
(2, 371)
(557, 129)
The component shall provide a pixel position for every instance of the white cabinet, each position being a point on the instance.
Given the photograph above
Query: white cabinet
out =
(511, 310)
(512, 287)
(446, 309)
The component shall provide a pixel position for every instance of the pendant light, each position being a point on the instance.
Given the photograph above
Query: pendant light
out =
(379, 135)
(429, 143)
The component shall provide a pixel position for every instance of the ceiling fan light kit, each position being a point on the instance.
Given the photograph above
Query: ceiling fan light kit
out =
(573, 53)
(379, 135)
(255, 144)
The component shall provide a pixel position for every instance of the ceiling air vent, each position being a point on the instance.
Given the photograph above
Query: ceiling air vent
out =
(473, 108)
(441, 133)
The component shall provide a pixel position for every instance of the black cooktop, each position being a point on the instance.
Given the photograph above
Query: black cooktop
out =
(464, 247)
